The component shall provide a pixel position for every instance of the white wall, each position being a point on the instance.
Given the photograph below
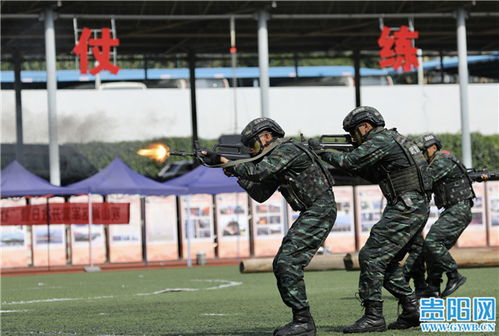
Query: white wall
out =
(90, 115)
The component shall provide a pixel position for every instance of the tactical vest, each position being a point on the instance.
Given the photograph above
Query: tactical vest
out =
(412, 178)
(456, 188)
(303, 190)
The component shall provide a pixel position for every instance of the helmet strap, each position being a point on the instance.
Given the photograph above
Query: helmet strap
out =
(427, 155)
(260, 146)
(357, 137)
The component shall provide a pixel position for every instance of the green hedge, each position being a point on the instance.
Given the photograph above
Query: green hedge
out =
(485, 151)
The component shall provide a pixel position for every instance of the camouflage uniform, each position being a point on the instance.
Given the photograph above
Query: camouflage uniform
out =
(414, 265)
(444, 169)
(307, 186)
(380, 155)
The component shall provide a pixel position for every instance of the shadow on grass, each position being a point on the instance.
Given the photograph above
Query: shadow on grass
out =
(252, 332)
(385, 298)
(336, 329)
(349, 298)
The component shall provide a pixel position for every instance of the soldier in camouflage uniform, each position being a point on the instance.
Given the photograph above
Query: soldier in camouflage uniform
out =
(453, 192)
(414, 267)
(384, 156)
(306, 184)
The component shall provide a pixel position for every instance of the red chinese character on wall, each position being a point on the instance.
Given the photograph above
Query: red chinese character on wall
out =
(101, 48)
(397, 50)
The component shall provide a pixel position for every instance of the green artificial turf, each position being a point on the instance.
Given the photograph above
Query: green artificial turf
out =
(123, 303)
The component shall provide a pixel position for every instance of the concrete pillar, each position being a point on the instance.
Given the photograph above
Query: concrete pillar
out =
(356, 63)
(420, 67)
(463, 87)
(263, 61)
(192, 83)
(233, 54)
(19, 107)
(50, 59)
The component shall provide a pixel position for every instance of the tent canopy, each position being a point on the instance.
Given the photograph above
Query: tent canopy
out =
(118, 178)
(17, 181)
(204, 180)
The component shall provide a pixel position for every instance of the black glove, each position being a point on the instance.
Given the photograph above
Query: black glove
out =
(314, 145)
(210, 158)
(229, 171)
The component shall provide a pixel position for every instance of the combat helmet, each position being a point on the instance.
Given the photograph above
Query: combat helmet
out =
(427, 140)
(259, 125)
(362, 114)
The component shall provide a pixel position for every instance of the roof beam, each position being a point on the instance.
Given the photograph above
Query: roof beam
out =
(251, 16)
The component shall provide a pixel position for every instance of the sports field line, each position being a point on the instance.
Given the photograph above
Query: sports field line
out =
(223, 284)
(53, 333)
(57, 300)
(218, 314)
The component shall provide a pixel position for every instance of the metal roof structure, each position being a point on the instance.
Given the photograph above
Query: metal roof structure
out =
(169, 27)
(163, 29)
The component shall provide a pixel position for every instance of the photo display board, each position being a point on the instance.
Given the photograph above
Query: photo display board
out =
(492, 189)
(475, 234)
(232, 222)
(370, 205)
(88, 243)
(15, 243)
(342, 236)
(49, 241)
(125, 240)
(268, 225)
(161, 228)
(197, 214)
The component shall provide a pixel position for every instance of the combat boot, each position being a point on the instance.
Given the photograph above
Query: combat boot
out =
(427, 292)
(302, 325)
(410, 313)
(372, 320)
(432, 289)
(455, 280)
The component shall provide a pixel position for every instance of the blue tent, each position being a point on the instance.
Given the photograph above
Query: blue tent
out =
(204, 180)
(17, 181)
(118, 178)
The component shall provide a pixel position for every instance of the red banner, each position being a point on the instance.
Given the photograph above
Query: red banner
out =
(66, 213)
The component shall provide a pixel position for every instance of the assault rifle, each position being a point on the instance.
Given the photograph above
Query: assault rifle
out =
(340, 142)
(230, 151)
(482, 175)
(230, 146)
